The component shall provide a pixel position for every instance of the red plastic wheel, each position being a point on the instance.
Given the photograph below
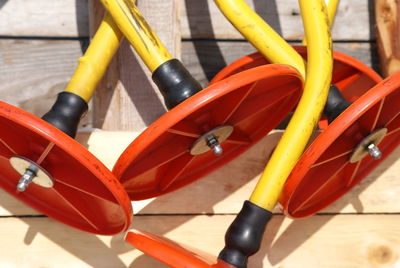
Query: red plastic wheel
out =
(72, 185)
(171, 253)
(352, 77)
(334, 163)
(165, 156)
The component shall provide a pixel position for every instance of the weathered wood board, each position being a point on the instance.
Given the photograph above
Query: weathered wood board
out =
(55, 18)
(205, 59)
(313, 242)
(199, 19)
(202, 19)
(34, 71)
(127, 98)
(40, 42)
(230, 185)
(325, 241)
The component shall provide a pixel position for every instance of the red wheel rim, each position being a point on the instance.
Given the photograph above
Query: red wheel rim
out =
(171, 253)
(85, 195)
(253, 102)
(324, 172)
(352, 77)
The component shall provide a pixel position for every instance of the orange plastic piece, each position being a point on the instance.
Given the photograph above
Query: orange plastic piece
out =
(85, 195)
(324, 172)
(351, 76)
(171, 253)
(253, 102)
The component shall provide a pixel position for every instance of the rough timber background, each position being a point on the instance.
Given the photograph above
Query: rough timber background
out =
(40, 41)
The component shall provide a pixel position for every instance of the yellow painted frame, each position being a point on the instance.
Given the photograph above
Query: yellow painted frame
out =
(93, 64)
(139, 34)
(318, 77)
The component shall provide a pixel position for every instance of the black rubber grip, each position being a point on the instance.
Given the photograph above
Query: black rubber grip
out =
(66, 113)
(245, 234)
(335, 104)
(175, 82)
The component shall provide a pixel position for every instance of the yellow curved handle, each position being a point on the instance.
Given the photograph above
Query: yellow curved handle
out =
(260, 34)
(332, 6)
(307, 114)
(138, 32)
(93, 64)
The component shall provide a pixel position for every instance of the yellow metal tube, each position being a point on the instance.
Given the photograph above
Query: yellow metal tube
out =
(332, 8)
(93, 64)
(138, 32)
(307, 114)
(260, 34)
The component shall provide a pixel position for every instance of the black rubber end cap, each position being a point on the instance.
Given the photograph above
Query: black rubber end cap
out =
(335, 104)
(66, 113)
(175, 82)
(245, 234)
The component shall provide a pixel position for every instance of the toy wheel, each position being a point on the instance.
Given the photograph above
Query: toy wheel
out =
(69, 185)
(338, 158)
(352, 77)
(171, 253)
(231, 115)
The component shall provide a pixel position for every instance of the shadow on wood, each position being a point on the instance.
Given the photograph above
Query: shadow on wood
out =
(275, 254)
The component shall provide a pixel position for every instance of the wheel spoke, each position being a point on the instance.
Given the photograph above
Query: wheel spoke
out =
(238, 137)
(388, 111)
(79, 205)
(393, 131)
(393, 124)
(369, 119)
(378, 114)
(314, 191)
(348, 80)
(93, 182)
(98, 194)
(258, 104)
(232, 103)
(45, 153)
(8, 147)
(353, 174)
(175, 169)
(340, 148)
(392, 119)
(331, 159)
(162, 155)
(186, 128)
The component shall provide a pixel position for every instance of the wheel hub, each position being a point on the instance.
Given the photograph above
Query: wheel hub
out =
(369, 145)
(31, 172)
(211, 140)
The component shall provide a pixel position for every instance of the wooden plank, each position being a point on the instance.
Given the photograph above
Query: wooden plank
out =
(33, 72)
(56, 18)
(229, 186)
(202, 19)
(199, 19)
(320, 241)
(387, 14)
(129, 100)
(204, 59)
(47, 65)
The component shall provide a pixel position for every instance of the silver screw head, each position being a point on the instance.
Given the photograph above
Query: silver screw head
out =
(374, 151)
(213, 143)
(217, 149)
(25, 180)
